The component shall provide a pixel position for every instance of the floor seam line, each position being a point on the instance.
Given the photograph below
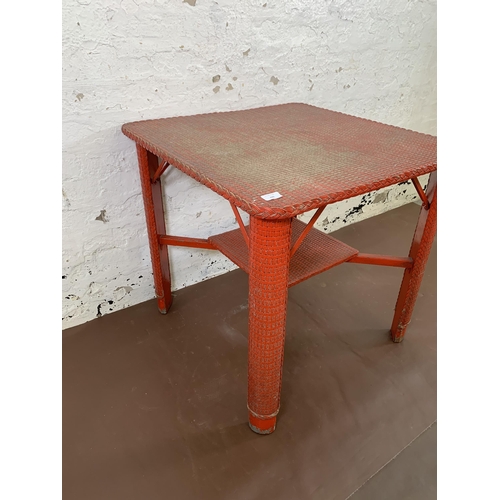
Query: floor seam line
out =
(389, 461)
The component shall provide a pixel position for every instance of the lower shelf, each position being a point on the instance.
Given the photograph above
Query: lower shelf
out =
(317, 253)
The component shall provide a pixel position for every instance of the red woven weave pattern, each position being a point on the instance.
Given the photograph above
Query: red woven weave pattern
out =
(149, 210)
(417, 271)
(312, 156)
(317, 253)
(268, 292)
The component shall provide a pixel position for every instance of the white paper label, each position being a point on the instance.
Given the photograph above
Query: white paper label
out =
(271, 196)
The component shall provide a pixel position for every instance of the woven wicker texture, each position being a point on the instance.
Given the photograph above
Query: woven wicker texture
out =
(161, 276)
(311, 156)
(317, 253)
(415, 274)
(267, 299)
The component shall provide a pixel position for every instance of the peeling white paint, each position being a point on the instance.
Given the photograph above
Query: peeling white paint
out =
(139, 59)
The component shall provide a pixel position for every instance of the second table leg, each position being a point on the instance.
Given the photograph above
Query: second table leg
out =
(267, 300)
(419, 252)
(155, 220)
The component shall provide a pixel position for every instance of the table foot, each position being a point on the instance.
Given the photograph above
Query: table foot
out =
(262, 426)
(396, 339)
(163, 305)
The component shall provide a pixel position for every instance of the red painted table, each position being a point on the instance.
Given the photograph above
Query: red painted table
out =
(304, 157)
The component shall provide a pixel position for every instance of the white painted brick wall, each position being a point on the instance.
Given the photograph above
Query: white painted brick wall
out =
(139, 59)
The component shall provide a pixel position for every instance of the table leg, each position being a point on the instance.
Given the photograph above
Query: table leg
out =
(267, 299)
(419, 252)
(155, 220)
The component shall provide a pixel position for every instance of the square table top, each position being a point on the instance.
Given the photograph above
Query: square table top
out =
(311, 156)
